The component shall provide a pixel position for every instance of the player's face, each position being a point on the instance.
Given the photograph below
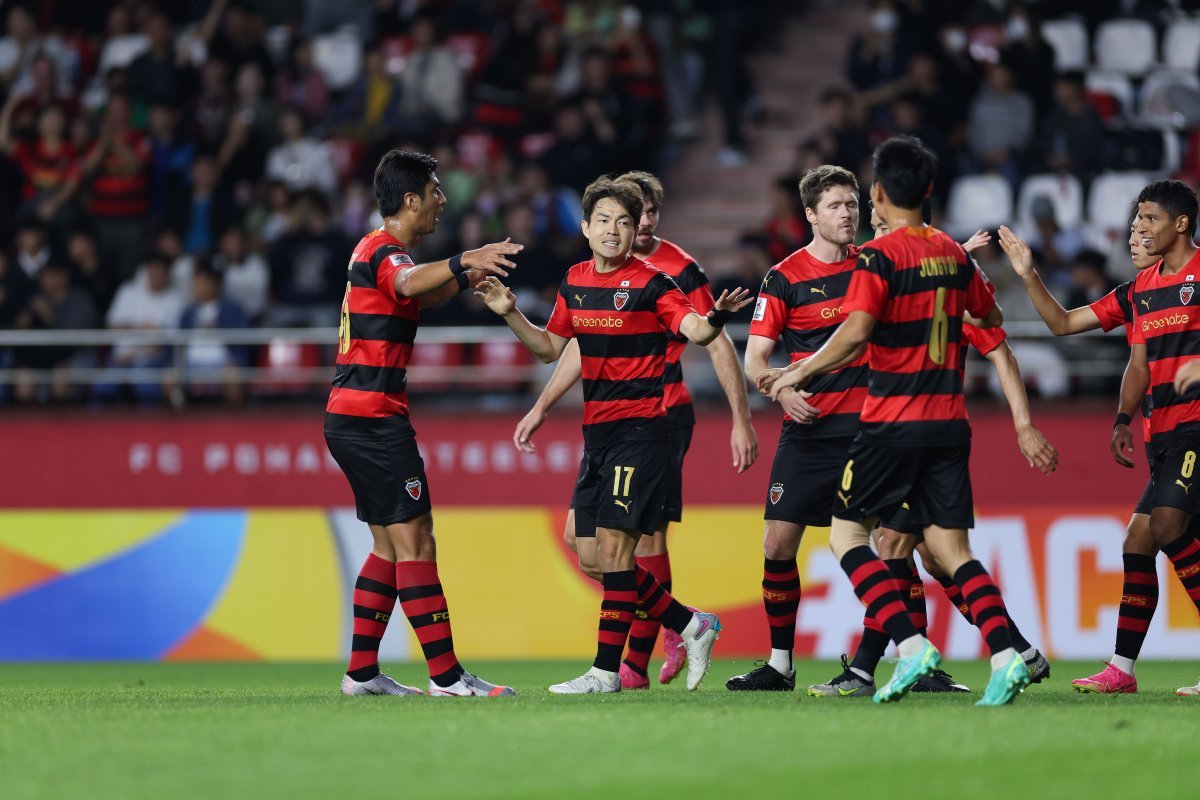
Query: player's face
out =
(609, 231)
(1141, 259)
(878, 225)
(644, 240)
(835, 218)
(431, 205)
(1158, 229)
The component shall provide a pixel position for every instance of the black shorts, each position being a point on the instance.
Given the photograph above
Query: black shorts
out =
(902, 520)
(804, 477)
(1146, 502)
(934, 481)
(1174, 475)
(681, 441)
(624, 486)
(386, 473)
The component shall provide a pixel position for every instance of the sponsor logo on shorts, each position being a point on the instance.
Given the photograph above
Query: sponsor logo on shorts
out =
(1185, 293)
(776, 493)
(620, 299)
(414, 488)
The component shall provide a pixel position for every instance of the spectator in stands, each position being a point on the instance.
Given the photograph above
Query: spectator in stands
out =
(959, 76)
(213, 103)
(308, 267)
(201, 209)
(1030, 56)
(118, 171)
(736, 25)
(171, 156)
(1073, 137)
(239, 41)
(879, 55)
(83, 252)
(156, 76)
(556, 209)
(431, 84)
(270, 217)
(146, 301)
(49, 166)
(33, 247)
(841, 139)
(579, 153)
(253, 127)
(122, 43)
(786, 231)
(244, 273)
(609, 112)
(45, 91)
(301, 85)
(1001, 124)
(22, 47)
(541, 271)
(1056, 246)
(56, 305)
(753, 262)
(370, 109)
(300, 161)
(15, 289)
(1088, 281)
(208, 361)
(908, 119)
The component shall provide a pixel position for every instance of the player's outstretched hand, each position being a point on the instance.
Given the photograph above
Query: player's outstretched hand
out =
(791, 378)
(1037, 450)
(1121, 445)
(496, 296)
(1187, 376)
(1018, 252)
(734, 301)
(794, 403)
(523, 435)
(979, 238)
(490, 259)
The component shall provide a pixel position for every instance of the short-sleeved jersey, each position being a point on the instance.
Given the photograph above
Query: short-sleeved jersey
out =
(1167, 320)
(802, 299)
(1114, 309)
(985, 340)
(917, 283)
(622, 320)
(692, 281)
(375, 335)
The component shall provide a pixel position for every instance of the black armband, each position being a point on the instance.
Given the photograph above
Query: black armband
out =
(1123, 419)
(456, 265)
(718, 318)
(462, 280)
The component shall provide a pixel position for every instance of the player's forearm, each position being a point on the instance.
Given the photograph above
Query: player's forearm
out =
(439, 295)
(535, 339)
(424, 278)
(846, 344)
(729, 374)
(698, 330)
(1135, 382)
(566, 374)
(1060, 321)
(1011, 384)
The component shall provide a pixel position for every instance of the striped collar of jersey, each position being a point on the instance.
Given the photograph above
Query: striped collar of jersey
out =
(1167, 321)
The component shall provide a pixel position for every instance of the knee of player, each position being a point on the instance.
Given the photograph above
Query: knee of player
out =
(781, 540)
(893, 545)
(1137, 537)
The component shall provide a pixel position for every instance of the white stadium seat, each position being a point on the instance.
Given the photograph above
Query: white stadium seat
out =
(1069, 40)
(338, 57)
(1111, 83)
(1110, 199)
(1159, 100)
(1181, 45)
(1063, 190)
(978, 201)
(1126, 45)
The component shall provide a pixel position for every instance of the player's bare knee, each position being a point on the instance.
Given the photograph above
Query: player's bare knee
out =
(654, 544)
(949, 547)
(1138, 540)
(894, 545)
(930, 563)
(781, 540)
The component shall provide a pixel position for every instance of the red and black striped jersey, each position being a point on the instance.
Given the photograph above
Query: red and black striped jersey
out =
(1168, 323)
(1114, 309)
(622, 320)
(375, 336)
(985, 340)
(692, 281)
(917, 283)
(801, 299)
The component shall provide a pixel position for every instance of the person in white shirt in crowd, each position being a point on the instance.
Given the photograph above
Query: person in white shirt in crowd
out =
(300, 161)
(208, 362)
(245, 274)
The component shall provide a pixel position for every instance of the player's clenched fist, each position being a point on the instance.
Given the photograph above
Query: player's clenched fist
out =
(496, 296)
(490, 259)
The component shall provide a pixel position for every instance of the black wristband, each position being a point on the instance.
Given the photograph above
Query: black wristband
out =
(456, 265)
(463, 281)
(1123, 419)
(718, 318)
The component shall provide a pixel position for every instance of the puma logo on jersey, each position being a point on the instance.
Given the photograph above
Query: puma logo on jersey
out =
(1187, 487)
(1146, 302)
(866, 258)
(845, 498)
(821, 291)
(579, 298)
(624, 505)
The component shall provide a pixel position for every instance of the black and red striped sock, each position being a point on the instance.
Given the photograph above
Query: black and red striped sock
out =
(616, 615)
(1014, 633)
(878, 591)
(909, 583)
(871, 647)
(644, 631)
(987, 605)
(781, 599)
(421, 597)
(658, 603)
(374, 601)
(1139, 599)
(1184, 553)
(955, 596)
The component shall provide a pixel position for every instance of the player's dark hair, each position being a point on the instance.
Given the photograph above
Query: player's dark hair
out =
(814, 183)
(627, 193)
(650, 185)
(1175, 197)
(401, 172)
(905, 168)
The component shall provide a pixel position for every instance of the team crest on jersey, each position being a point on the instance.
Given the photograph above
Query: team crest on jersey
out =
(1185, 293)
(620, 299)
(413, 486)
(776, 493)
(401, 260)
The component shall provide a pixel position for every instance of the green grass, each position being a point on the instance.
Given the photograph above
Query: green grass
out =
(160, 731)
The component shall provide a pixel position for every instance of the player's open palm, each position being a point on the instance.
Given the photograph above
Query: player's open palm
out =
(979, 238)
(1037, 450)
(1017, 250)
(492, 258)
(523, 435)
(496, 296)
(733, 301)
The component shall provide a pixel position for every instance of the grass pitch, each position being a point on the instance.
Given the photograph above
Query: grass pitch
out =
(132, 731)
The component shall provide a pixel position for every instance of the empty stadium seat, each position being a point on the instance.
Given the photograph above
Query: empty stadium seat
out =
(1163, 96)
(1069, 39)
(338, 57)
(978, 201)
(1064, 191)
(1181, 45)
(1111, 196)
(1126, 45)
(286, 365)
(1111, 84)
(503, 365)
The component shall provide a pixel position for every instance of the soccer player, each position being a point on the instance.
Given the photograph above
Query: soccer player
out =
(622, 310)
(905, 305)
(369, 434)
(652, 553)
(897, 540)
